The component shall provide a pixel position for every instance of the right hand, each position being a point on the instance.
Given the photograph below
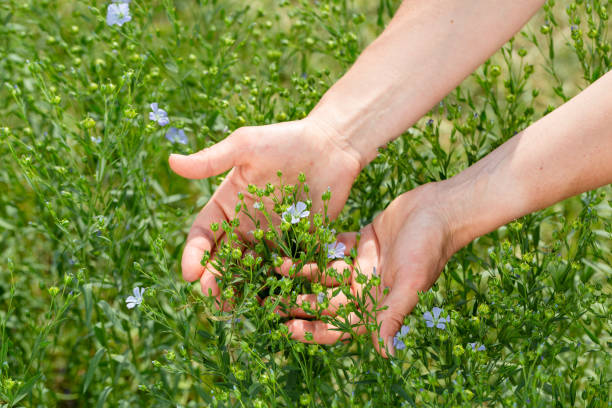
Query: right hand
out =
(255, 154)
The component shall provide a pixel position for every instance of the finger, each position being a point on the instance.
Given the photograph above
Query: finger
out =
(331, 277)
(367, 260)
(399, 302)
(324, 332)
(212, 160)
(201, 239)
(306, 305)
(208, 281)
(210, 287)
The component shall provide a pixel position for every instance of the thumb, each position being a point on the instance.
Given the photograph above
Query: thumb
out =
(399, 302)
(210, 161)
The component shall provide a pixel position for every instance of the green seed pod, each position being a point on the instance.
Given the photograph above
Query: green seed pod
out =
(88, 123)
(495, 71)
(458, 350)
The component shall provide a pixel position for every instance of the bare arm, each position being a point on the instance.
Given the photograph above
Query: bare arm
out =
(563, 154)
(429, 47)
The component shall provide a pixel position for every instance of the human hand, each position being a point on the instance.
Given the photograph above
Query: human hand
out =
(255, 154)
(408, 243)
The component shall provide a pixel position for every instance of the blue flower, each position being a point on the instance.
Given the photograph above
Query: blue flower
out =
(480, 348)
(398, 339)
(295, 212)
(321, 297)
(336, 250)
(118, 13)
(176, 135)
(436, 320)
(133, 301)
(158, 115)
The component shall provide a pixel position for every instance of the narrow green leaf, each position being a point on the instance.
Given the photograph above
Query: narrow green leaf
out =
(103, 396)
(25, 389)
(93, 364)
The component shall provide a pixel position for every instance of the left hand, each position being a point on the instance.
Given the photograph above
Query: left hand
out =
(408, 243)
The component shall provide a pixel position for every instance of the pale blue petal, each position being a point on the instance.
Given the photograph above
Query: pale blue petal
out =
(290, 211)
(181, 137)
(112, 15)
(427, 316)
(436, 312)
(441, 325)
(429, 323)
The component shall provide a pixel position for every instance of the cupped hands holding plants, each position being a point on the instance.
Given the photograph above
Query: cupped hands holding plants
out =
(369, 106)
(567, 152)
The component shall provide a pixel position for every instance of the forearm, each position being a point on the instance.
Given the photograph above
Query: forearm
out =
(428, 48)
(565, 153)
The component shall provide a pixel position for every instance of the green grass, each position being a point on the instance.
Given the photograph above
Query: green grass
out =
(84, 222)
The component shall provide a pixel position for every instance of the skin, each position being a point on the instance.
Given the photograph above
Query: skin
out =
(565, 153)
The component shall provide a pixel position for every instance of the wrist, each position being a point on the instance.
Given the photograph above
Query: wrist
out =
(362, 109)
(486, 196)
(456, 199)
(337, 131)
